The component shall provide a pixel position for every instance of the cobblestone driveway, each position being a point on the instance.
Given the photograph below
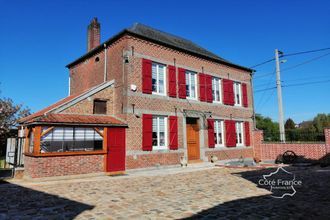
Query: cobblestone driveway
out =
(208, 193)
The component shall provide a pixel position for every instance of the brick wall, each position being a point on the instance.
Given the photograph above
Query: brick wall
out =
(37, 167)
(88, 73)
(230, 153)
(270, 151)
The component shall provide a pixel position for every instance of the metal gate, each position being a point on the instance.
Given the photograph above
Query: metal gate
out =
(14, 152)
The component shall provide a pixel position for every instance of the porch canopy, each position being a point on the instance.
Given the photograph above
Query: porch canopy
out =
(67, 134)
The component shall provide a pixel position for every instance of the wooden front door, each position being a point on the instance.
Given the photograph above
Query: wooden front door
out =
(116, 151)
(192, 138)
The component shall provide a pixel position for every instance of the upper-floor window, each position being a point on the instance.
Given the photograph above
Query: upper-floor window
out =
(238, 93)
(159, 132)
(158, 79)
(218, 133)
(191, 88)
(216, 90)
(239, 133)
(100, 107)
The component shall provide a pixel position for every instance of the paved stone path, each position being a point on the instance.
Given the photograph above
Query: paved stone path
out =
(209, 193)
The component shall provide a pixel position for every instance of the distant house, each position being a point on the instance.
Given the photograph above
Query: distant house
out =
(142, 98)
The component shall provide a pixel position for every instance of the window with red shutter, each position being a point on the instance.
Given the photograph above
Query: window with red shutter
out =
(245, 97)
(202, 87)
(173, 121)
(247, 133)
(208, 80)
(172, 81)
(146, 76)
(230, 133)
(210, 129)
(228, 92)
(147, 132)
(182, 83)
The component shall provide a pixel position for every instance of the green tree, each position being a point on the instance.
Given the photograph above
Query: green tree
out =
(270, 128)
(289, 124)
(321, 121)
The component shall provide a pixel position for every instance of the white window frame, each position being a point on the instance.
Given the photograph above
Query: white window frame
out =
(214, 81)
(190, 73)
(157, 78)
(239, 129)
(239, 86)
(216, 129)
(158, 147)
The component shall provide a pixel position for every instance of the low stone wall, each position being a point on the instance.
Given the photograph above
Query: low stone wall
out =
(37, 167)
(232, 153)
(153, 159)
(270, 151)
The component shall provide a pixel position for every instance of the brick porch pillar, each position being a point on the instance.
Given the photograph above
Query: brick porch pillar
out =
(258, 137)
(327, 140)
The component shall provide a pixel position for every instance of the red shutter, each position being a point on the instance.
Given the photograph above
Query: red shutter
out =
(171, 81)
(208, 80)
(228, 92)
(230, 133)
(245, 97)
(146, 76)
(247, 133)
(210, 126)
(147, 132)
(173, 121)
(182, 83)
(202, 87)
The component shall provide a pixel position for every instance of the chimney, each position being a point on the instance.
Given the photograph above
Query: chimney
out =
(93, 35)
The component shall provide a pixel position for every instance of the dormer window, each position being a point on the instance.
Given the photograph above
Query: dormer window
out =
(100, 107)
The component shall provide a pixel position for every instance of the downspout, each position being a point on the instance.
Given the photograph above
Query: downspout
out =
(254, 112)
(69, 90)
(105, 63)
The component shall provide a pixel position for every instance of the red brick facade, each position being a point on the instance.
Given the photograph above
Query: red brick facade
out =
(37, 167)
(130, 105)
(270, 151)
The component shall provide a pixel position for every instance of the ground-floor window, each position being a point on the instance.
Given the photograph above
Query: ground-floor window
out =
(239, 133)
(63, 139)
(159, 132)
(218, 133)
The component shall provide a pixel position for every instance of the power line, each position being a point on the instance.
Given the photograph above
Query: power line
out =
(304, 52)
(290, 54)
(267, 61)
(307, 83)
(294, 66)
(294, 84)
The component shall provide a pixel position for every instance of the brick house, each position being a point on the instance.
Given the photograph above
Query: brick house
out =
(143, 98)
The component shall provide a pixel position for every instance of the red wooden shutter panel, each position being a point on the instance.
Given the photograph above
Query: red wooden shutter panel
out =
(171, 81)
(228, 92)
(202, 87)
(210, 126)
(146, 76)
(182, 83)
(147, 132)
(208, 80)
(245, 97)
(230, 133)
(247, 133)
(173, 121)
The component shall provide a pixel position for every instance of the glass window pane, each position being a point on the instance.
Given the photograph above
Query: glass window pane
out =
(154, 77)
(161, 78)
(162, 139)
(58, 133)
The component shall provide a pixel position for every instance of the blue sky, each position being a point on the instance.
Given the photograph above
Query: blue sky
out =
(39, 38)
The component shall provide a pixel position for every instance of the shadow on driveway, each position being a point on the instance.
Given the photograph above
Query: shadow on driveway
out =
(311, 201)
(17, 202)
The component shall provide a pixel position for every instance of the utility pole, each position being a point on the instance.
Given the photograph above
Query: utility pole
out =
(279, 96)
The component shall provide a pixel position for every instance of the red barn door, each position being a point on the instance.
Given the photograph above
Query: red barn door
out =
(116, 151)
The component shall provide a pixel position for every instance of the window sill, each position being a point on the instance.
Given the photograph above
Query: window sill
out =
(160, 94)
(55, 154)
